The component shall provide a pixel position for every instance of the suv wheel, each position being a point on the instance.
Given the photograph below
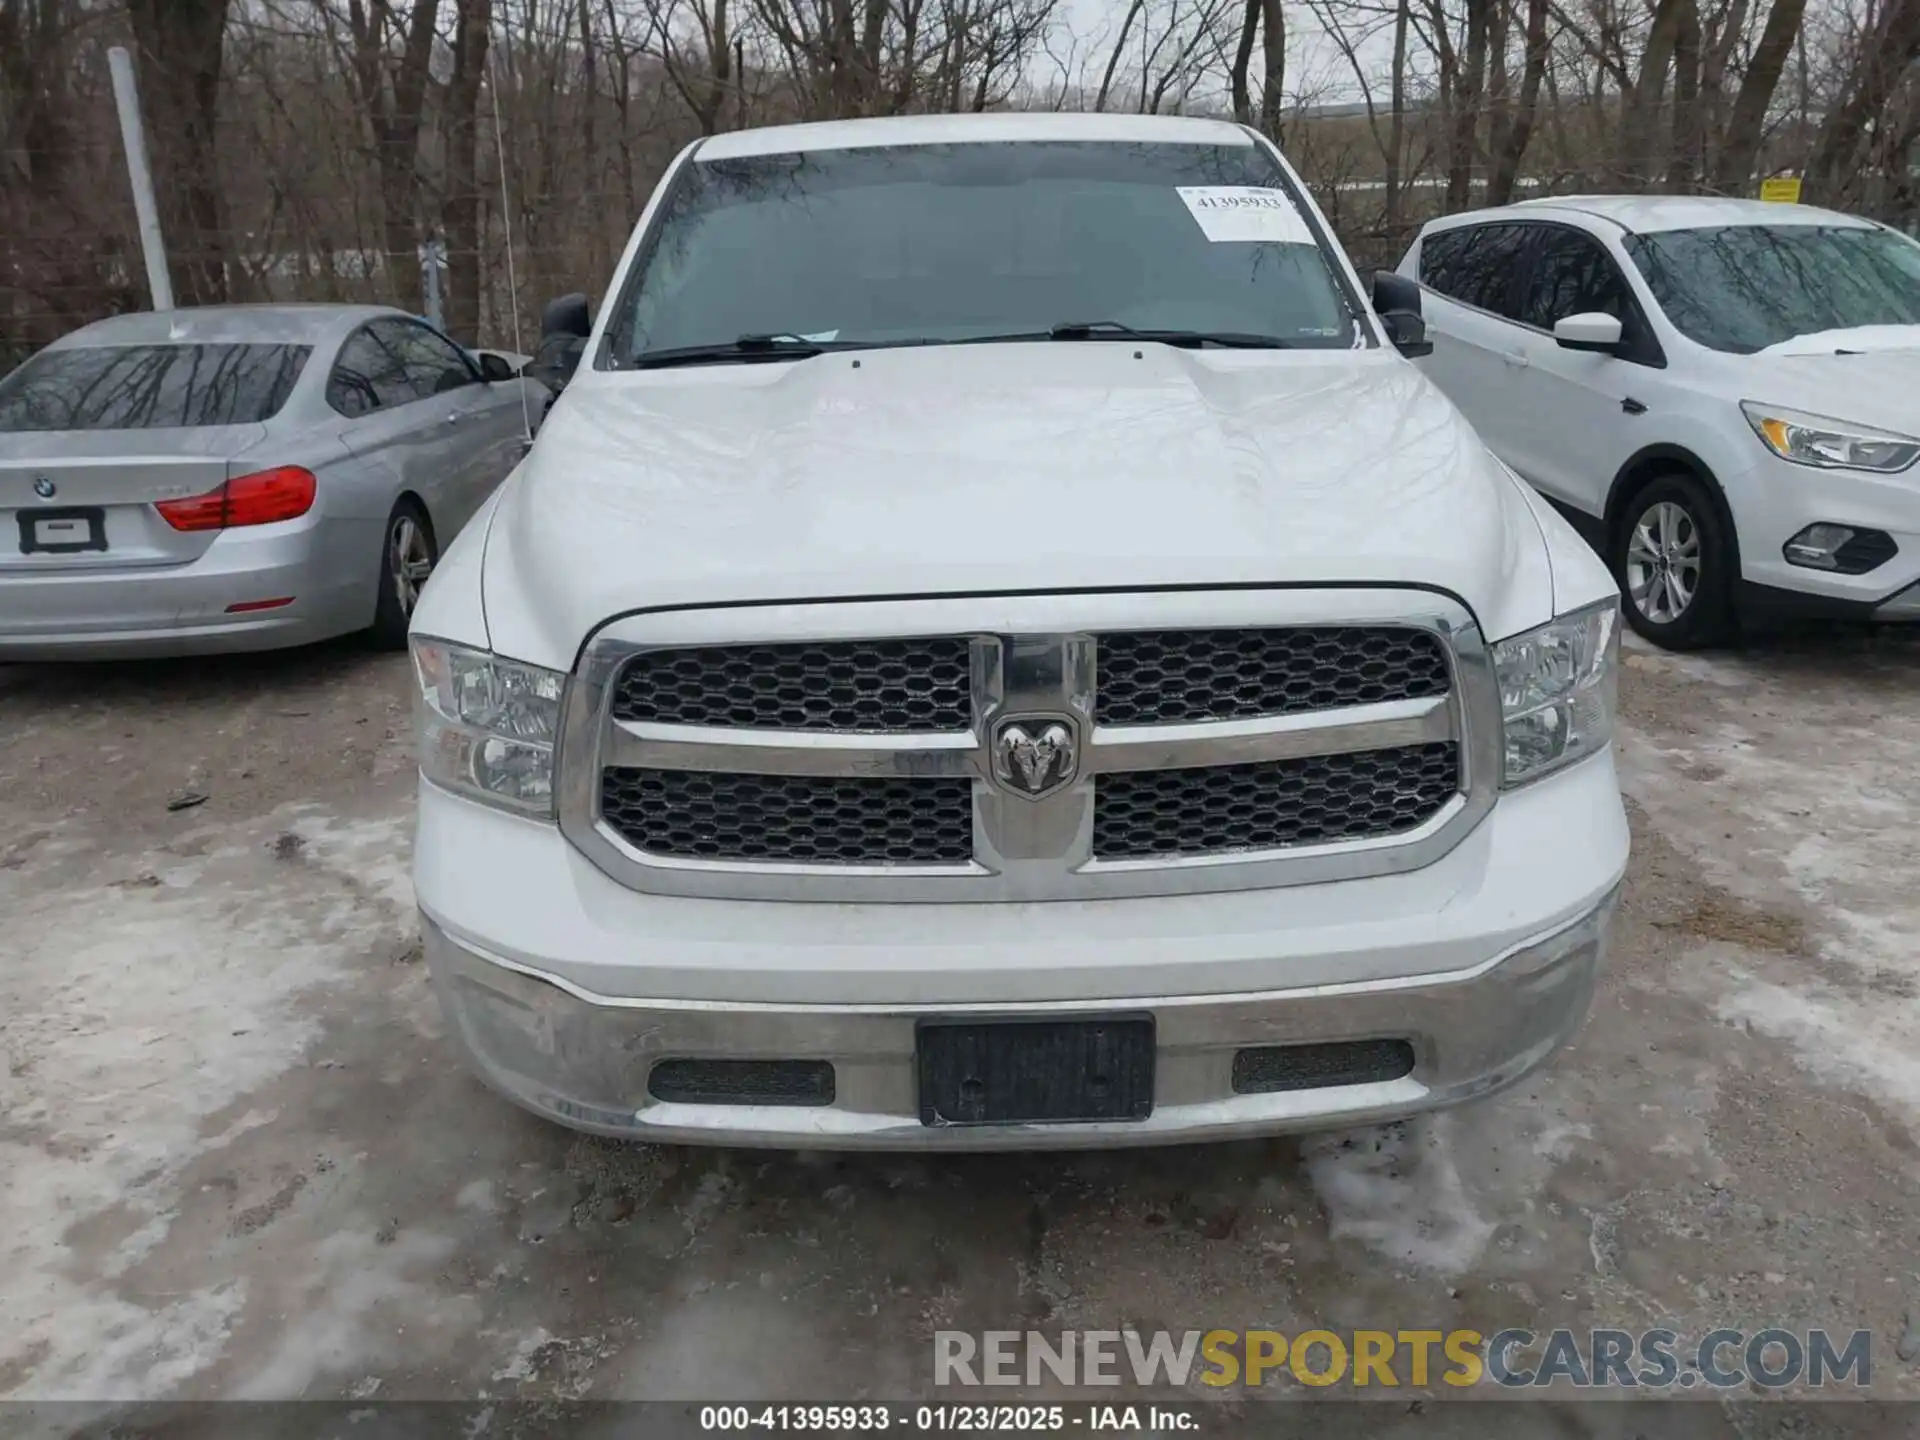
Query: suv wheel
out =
(407, 557)
(1675, 567)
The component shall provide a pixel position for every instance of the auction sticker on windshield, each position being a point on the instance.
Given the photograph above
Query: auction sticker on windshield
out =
(1245, 212)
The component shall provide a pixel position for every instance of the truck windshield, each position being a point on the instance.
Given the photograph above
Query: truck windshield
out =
(968, 242)
(1741, 288)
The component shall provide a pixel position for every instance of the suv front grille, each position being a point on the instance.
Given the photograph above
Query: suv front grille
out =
(881, 687)
(1214, 809)
(809, 819)
(1169, 677)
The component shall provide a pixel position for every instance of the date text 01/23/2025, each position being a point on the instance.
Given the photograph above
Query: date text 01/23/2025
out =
(1043, 1419)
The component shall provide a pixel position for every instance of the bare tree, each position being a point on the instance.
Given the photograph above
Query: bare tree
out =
(1880, 63)
(305, 147)
(1512, 149)
(388, 60)
(181, 44)
(1746, 123)
(460, 206)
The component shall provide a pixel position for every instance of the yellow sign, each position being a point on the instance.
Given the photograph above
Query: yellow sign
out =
(1784, 190)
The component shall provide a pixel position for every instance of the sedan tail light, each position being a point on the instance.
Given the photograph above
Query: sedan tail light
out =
(282, 493)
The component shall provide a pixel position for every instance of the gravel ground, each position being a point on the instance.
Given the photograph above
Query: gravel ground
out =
(238, 1159)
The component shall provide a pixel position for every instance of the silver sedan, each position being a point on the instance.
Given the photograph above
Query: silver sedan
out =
(241, 477)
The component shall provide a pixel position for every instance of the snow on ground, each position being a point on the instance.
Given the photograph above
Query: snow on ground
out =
(1798, 788)
(237, 1158)
(142, 1000)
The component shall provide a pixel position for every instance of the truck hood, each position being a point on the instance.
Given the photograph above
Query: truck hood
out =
(985, 468)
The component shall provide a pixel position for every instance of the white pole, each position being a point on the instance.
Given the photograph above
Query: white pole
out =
(134, 137)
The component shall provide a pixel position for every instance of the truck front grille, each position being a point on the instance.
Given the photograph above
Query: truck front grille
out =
(1168, 677)
(1220, 809)
(1016, 748)
(806, 819)
(879, 687)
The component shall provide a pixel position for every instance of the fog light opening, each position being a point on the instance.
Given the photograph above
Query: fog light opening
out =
(1267, 1069)
(742, 1082)
(1841, 549)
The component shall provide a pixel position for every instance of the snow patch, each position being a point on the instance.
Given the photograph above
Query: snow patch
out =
(519, 1367)
(329, 1327)
(1396, 1190)
(1857, 1042)
(1813, 806)
(129, 1017)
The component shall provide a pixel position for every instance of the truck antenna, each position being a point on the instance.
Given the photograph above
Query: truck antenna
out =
(506, 223)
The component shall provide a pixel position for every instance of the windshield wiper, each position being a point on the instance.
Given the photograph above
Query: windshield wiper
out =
(750, 348)
(1188, 339)
(746, 349)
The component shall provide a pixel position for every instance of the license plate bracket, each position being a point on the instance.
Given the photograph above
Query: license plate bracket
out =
(69, 530)
(1035, 1072)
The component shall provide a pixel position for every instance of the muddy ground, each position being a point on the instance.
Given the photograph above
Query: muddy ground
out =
(238, 1159)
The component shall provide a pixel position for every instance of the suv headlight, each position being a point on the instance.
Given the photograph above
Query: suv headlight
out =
(1829, 444)
(1557, 686)
(486, 726)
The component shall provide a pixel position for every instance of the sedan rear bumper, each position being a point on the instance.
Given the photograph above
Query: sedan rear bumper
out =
(87, 612)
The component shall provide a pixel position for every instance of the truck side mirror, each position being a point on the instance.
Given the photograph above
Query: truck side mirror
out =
(568, 315)
(1396, 300)
(565, 324)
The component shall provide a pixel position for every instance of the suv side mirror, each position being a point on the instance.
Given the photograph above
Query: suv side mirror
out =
(494, 368)
(1396, 300)
(1591, 331)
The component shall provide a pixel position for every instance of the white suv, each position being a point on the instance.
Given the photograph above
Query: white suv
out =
(993, 647)
(1724, 394)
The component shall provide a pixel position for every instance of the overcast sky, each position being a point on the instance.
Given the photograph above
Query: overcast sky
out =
(1316, 70)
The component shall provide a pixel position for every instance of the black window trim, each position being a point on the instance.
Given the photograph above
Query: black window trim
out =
(1483, 224)
(333, 369)
(414, 322)
(366, 327)
(1650, 355)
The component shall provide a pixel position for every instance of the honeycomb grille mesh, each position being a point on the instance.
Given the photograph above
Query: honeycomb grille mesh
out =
(1142, 814)
(1170, 677)
(872, 686)
(809, 819)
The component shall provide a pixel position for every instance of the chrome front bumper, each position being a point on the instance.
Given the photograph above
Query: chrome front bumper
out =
(584, 1059)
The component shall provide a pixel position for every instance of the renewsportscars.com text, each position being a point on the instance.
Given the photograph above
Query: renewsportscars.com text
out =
(1656, 1359)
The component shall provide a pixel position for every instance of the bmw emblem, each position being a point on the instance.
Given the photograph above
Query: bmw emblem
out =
(43, 487)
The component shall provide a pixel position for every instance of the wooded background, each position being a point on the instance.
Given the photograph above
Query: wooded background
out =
(308, 148)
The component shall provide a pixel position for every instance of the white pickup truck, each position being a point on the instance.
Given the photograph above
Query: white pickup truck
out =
(994, 647)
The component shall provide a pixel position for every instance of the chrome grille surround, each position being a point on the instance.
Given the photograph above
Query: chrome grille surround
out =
(1029, 654)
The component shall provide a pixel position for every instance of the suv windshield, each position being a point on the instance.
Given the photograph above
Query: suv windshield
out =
(1742, 288)
(949, 243)
(148, 387)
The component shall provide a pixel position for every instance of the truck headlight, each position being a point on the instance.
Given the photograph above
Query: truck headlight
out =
(486, 726)
(1829, 444)
(1557, 687)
